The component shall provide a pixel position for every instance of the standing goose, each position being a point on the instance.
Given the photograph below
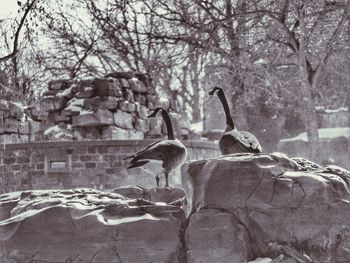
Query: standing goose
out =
(234, 141)
(168, 154)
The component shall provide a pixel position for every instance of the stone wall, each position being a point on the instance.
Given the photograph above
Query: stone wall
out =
(95, 164)
(336, 118)
(114, 107)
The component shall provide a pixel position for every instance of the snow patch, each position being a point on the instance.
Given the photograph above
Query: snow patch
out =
(196, 127)
(324, 110)
(323, 133)
(261, 260)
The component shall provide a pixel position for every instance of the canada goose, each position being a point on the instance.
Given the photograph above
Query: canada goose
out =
(234, 141)
(168, 154)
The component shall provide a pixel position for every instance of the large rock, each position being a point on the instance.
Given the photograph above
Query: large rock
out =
(269, 195)
(215, 236)
(86, 225)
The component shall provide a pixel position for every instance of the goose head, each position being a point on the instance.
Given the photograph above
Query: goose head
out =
(155, 112)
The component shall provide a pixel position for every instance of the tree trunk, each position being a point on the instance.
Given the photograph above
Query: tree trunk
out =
(196, 109)
(308, 82)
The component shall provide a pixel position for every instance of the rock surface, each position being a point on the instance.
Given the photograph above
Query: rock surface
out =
(273, 200)
(85, 225)
(240, 208)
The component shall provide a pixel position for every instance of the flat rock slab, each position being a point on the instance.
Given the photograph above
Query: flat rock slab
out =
(87, 225)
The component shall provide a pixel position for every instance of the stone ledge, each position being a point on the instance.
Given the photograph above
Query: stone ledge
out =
(65, 144)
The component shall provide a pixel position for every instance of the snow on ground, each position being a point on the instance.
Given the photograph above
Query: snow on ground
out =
(323, 109)
(261, 260)
(324, 133)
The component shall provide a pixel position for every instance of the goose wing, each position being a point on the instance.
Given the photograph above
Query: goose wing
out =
(162, 151)
(251, 141)
(235, 141)
(142, 151)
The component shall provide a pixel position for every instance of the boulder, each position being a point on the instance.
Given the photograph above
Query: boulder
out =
(275, 199)
(87, 225)
(216, 236)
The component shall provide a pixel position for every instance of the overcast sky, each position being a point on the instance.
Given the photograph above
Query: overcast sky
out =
(8, 8)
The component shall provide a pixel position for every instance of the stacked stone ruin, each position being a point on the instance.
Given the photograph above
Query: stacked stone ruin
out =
(15, 127)
(114, 107)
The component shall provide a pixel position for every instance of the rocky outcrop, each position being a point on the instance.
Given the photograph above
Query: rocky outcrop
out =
(240, 208)
(84, 225)
(269, 199)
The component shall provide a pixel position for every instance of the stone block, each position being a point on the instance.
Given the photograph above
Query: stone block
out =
(49, 93)
(9, 138)
(94, 103)
(34, 126)
(123, 119)
(92, 133)
(140, 98)
(59, 84)
(87, 92)
(51, 103)
(114, 133)
(127, 106)
(110, 103)
(15, 110)
(62, 118)
(128, 95)
(24, 127)
(11, 125)
(98, 118)
(108, 87)
(121, 74)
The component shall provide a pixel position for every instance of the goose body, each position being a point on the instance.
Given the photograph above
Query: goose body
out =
(233, 140)
(161, 156)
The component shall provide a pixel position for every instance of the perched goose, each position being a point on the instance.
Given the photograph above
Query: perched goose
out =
(234, 141)
(168, 154)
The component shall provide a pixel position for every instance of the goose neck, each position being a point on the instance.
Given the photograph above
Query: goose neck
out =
(168, 124)
(229, 121)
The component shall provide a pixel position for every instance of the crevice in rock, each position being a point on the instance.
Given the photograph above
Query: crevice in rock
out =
(253, 192)
(254, 249)
(182, 250)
